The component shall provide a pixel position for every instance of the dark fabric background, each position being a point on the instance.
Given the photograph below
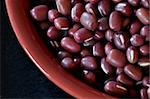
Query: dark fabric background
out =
(20, 77)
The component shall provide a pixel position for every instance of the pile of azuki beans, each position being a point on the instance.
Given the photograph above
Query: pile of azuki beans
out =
(106, 40)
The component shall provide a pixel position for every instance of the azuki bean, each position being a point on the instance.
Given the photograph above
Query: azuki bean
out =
(137, 40)
(146, 81)
(61, 23)
(53, 14)
(92, 1)
(73, 2)
(117, 1)
(85, 52)
(134, 2)
(103, 24)
(89, 63)
(64, 6)
(53, 33)
(106, 67)
(70, 45)
(77, 11)
(132, 54)
(143, 93)
(89, 21)
(98, 50)
(116, 58)
(121, 41)
(39, 12)
(63, 54)
(124, 8)
(104, 7)
(89, 76)
(145, 49)
(99, 35)
(68, 64)
(82, 34)
(126, 22)
(90, 8)
(73, 29)
(135, 27)
(115, 21)
(109, 34)
(108, 47)
(145, 3)
(123, 78)
(115, 88)
(133, 72)
(145, 32)
(143, 15)
(144, 62)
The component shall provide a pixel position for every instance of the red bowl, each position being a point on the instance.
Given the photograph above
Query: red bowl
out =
(18, 12)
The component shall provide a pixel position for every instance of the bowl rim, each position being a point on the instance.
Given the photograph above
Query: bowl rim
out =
(16, 14)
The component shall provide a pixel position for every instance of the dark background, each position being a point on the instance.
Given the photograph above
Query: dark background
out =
(20, 78)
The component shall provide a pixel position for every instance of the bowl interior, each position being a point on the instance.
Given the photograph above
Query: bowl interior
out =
(18, 12)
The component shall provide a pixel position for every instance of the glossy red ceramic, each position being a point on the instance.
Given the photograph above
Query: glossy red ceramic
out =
(18, 12)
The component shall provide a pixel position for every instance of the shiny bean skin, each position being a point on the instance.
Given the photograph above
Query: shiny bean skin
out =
(108, 47)
(109, 35)
(144, 62)
(117, 1)
(53, 14)
(145, 50)
(92, 1)
(64, 6)
(132, 54)
(106, 67)
(61, 23)
(146, 81)
(123, 78)
(124, 8)
(85, 52)
(137, 40)
(115, 21)
(63, 54)
(133, 72)
(98, 50)
(73, 29)
(119, 71)
(145, 3)
(143, 15)
(143, 93)
(68, 64)
(104, 7)
(134, 2)
(53, 33)
(121, 41)
(116, 58)
(89, 63)
(89, 21)
(77, 11)
(89, 77)
(70, 45)
(99, 35)
(90, 8)
(145, 32)
(73, 2)
(135, 27)
(103, 24)
(82, 34)
(115, 88)
(39, 12)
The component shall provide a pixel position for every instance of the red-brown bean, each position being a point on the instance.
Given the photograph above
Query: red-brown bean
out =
(145, 49)
(143, 93)
(61, 23)
(53, 14)
(116, 58)
(133, 72)
(109, 35)
(73, 29)
(98, 50)
(89, 21)
(77, 11)
(137, 40)
(132, 54)
(99, 35)
(85, 52)
(144, 62)
(63, 54)
(146, 81)
(145, 3)
(145, 32)
(70, 45)
(53, 33)
(89, 77)
(103, 24)
(108, 47)
(90, 8)
(64, 6)
(134, 2)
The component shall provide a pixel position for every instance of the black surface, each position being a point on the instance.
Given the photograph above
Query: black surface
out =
(20, 77)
